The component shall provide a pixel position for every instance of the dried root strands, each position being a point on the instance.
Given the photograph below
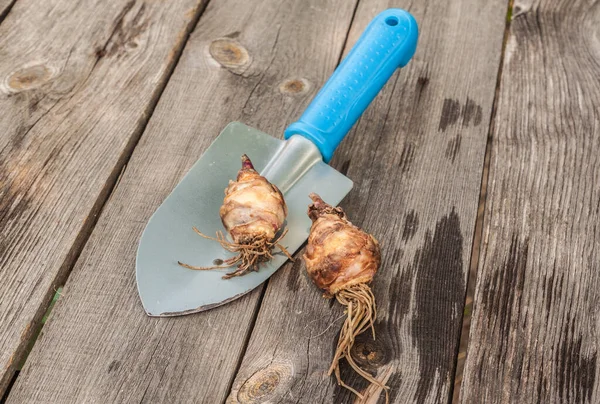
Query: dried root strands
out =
(253, 213)
(341, 259)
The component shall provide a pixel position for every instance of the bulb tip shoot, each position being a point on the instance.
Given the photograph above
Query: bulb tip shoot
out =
(319, 208)
(246, 163)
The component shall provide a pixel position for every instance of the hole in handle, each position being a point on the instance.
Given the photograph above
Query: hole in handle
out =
(391, 21)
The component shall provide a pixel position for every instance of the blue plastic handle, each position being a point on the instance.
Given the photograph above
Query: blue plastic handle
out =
(388, 42)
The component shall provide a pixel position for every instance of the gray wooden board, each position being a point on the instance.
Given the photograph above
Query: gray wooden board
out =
(535, 327)
(78, 81)
(259, 63)
(416, 158)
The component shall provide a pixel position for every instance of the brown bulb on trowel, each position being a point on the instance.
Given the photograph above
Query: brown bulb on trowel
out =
(253, 213)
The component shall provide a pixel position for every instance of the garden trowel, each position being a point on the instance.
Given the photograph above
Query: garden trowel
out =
(297, 165)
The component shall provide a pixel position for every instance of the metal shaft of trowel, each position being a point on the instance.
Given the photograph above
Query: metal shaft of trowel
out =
(293, 159)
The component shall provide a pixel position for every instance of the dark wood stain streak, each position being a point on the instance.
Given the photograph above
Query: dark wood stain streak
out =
(345, 167)
(407, 157)
(439, 271)
(400, 292)
(502, 293)
(478, 116)
(450, 113)
(114, 366)
(517, 371)
(480, 365)
(549, 291)
(422, 83)
(293, 275)
(453, 148)
(540, 393)
(471, 112)
(396, 379)
(575, 371)
(411, 225)
(511, 278)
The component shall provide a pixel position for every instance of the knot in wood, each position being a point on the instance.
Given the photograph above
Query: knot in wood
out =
(229, 53)
(27, 78)
(294, 86)
(368, 353)
(262, 384)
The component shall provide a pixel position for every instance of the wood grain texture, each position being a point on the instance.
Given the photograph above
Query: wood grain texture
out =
(77, 82)
(99, 345)
(416, 158)
(534, 335)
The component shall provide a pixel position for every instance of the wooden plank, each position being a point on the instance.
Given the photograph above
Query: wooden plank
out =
(534, 335)
(99, 346)
(416, 159)
(79, 80)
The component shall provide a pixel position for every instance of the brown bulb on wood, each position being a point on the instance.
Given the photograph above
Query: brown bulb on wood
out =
(341, 259)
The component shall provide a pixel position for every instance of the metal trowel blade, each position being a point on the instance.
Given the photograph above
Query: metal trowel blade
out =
(167, 289)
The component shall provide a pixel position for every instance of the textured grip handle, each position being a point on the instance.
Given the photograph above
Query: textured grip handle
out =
(388, 42)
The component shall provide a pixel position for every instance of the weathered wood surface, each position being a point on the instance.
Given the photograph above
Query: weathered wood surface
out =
(78, 80)
(267, 61)
(534, 335)
(416, 158)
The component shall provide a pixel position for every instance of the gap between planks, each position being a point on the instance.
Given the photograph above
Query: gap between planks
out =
(111, 184)
(464, 339)
(5, 7)
(36, 334)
